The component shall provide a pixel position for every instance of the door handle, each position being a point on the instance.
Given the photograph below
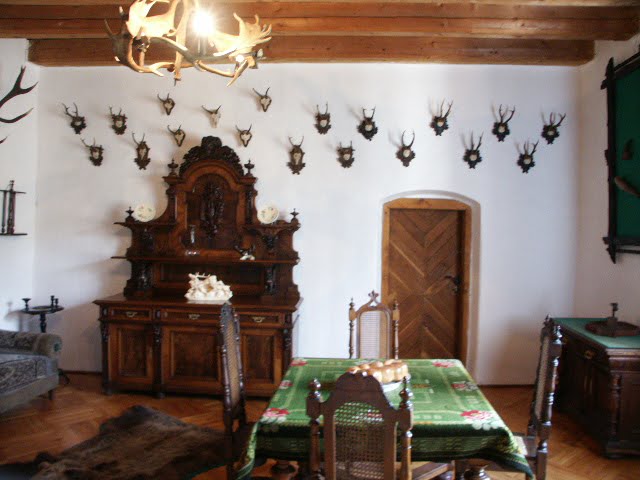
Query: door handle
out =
(456, 281)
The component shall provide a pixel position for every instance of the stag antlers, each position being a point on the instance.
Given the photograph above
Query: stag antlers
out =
(14, 92)
(264, 99)
(472, 154)
(78, 122)
(550, 130)
(367, 126)
(439, 121)
(501, 127)
(525, 160)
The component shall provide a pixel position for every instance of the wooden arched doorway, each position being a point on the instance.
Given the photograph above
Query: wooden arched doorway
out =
(426, 247)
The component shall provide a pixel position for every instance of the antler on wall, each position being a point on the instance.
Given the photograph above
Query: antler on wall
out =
(16, 90)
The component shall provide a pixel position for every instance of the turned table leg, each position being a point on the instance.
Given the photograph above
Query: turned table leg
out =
(476, 470)
(283, 470)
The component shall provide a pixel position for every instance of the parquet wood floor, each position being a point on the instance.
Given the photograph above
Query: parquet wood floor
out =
(79, 408)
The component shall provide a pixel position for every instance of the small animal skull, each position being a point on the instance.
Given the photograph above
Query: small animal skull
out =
(178, 135)
(472, 155)
(405, 154)
(167, 103)
(501, 127)
(78, 122)
(295, 157)
(142, 153)
(323, 120)
(550, 130)
(367, 126)
(95, 152)
(245, 136)
(214, 115)
(118, 122)
(439, 122)
(264, 99)
(345, 155)
(525, 160)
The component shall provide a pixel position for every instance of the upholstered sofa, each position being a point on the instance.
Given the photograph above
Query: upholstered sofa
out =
(28, 366)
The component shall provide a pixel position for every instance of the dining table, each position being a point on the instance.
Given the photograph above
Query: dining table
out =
(452, 419)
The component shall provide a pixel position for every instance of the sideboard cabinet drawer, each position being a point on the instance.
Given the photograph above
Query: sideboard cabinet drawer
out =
(130, 313)
(167, 314)
(254, 319)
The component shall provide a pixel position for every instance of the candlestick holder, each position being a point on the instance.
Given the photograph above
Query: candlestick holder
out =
(7, 228)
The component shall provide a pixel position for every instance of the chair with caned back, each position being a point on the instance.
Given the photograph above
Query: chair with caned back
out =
(373, 329)
(535, 443)
(360, 430)
(237, 430)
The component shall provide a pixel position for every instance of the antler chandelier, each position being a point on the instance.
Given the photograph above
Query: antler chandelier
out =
(174, 28)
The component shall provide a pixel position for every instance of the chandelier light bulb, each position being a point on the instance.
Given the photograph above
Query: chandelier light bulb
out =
(203, 23)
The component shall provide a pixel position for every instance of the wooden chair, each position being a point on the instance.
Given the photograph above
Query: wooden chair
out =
(360, 430)
(376, 329)
(236, 428)
(535, 443)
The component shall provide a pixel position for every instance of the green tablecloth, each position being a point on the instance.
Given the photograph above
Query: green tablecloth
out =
(451, 417)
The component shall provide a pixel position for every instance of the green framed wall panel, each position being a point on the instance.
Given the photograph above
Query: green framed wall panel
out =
(622, 83)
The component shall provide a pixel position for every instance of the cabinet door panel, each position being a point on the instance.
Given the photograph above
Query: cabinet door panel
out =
(630, 413)
(132, 354)
(190, 358)
(261, 357)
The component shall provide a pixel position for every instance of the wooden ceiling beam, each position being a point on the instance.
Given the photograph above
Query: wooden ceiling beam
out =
(549, 29)
(97, 52)
(565, 3)
(340, 9)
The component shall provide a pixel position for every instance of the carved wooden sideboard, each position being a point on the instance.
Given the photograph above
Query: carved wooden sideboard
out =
(153, 339)
(599, 385)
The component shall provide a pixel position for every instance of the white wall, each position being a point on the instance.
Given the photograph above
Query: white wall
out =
(18, 161)
(598, 280)
(526, 235)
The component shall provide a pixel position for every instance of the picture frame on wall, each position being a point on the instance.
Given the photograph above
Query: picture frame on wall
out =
(622, 83)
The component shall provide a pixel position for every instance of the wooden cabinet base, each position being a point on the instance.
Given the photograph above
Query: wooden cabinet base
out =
(178, 353)
(599, 386)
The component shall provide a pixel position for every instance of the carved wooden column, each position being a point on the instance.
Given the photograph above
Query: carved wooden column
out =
(104, 334)
(158, 389)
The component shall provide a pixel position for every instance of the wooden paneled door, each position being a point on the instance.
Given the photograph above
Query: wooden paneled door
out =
(425, 267)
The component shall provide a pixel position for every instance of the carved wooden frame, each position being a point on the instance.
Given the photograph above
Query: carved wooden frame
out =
(434, 204)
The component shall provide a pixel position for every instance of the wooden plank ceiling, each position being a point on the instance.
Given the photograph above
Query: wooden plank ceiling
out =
(528, 32)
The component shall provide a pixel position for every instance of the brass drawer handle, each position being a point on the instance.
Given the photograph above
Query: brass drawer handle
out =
(258, 319)
(589, 354)
(130, 314)
(194, 316)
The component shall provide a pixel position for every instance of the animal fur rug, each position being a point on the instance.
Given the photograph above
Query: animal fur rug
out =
(140, 444)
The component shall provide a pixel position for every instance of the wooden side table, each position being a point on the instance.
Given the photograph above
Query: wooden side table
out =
(42, 310)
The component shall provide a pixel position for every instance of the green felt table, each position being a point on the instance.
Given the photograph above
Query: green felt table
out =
(452, 419)
(578, 325)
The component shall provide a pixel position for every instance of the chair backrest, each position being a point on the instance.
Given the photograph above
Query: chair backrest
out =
(232, 373)
(360, 430)
(376, 329)
(550, 351)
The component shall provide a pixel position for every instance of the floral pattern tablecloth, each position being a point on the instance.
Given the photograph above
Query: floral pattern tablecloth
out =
(451, 417)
